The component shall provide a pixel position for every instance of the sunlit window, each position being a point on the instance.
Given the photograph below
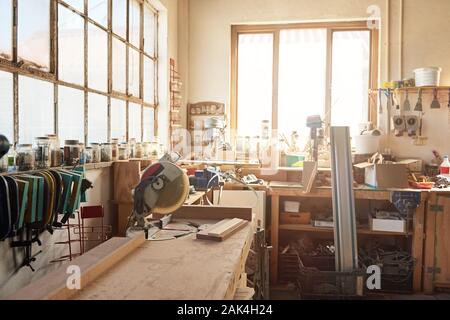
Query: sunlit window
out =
(73, 66)
(322, 70)
(255, 82)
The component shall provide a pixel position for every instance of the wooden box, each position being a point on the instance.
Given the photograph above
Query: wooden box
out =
(295, 218)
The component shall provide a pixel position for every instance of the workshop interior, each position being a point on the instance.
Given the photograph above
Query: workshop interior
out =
(224, 150)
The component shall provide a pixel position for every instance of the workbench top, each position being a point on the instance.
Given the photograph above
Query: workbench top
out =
(136, 269)
(182, 269)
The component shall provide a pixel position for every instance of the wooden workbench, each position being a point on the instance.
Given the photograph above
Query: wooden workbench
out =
(181, 269)
(361, 193)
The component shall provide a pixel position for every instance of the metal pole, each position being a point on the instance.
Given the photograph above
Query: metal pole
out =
(345, 238)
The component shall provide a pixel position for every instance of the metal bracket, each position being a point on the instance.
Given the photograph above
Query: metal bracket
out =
(433, 270)
(436, 208)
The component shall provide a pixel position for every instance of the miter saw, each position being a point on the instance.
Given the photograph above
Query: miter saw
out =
(163, 189)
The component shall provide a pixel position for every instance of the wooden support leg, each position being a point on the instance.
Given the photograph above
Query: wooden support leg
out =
(417, 244)
(429, 263)
(274, 236)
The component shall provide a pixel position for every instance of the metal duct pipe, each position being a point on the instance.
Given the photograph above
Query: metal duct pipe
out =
(345, 239)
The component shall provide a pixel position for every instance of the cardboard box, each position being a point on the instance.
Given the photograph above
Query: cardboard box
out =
(386, 175)
(387, 225)
(295, 218)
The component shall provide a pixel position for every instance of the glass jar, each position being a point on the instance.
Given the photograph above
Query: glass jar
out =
(12, 155)
(25, 157)
(4, 164)
(145, 150)
(123, 152)
(71, 152)
(96, 153)
(106, 152)
(265, 130)
(42, 153)
(82, 153)
(132, 148)
(88, 154)
(56, 156)
(139, 151)
(154, 150)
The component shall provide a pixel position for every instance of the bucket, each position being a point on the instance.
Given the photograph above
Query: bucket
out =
(367, 144)
(428, 77)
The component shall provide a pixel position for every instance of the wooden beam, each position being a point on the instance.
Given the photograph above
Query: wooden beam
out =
(213, 213)
(93, 264)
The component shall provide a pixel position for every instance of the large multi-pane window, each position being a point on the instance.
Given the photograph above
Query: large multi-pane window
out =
(285, 73)
(84, 70)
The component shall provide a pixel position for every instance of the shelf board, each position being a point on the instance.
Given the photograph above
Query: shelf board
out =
(361, 230)
(412, 88)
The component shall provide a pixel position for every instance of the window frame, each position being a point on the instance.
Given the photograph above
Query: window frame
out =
(275, 30)
(12, 66)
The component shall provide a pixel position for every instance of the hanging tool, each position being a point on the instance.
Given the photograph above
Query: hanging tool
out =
(389, 109)
(380, 101)
(419, 102)
(407, 103)
(435, 103)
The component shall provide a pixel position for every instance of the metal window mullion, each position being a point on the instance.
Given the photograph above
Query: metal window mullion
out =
(275, 78)
(86, 78)
(141, 66)
(156, 60)
(54, 63)
(127, 69)
(110, 72)
(15, 74)
(328, 80)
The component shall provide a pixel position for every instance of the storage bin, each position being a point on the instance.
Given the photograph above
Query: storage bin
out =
(427, 76)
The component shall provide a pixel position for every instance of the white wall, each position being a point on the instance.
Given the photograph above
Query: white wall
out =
(12, 278)
(206, 45)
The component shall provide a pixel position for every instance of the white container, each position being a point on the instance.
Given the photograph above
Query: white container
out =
(292, 206)
(427, 77)
(367, 144)
(387, 225)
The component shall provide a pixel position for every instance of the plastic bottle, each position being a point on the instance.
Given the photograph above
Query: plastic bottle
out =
(445, 167)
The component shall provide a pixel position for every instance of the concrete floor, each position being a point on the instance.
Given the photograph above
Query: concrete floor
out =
(290, 293)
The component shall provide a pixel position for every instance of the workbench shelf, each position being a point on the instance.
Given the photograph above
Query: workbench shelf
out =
(411, 241)
(360, 231)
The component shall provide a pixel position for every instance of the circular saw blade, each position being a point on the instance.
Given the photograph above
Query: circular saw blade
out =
(173, 196)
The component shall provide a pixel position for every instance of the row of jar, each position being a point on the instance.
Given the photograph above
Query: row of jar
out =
(46, 153)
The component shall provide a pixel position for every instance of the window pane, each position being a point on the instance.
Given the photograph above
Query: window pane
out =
(98, 11)
(134, 124)
(149, 124)
(135, 22)
(351, 69)
(119, 18)
(70, 114)
(119, 65)
(36, 114)
(98, 118)
(34, 32)
(76, 4)
(6, 105)
(98, 58)
(149, 31)
(149, 80)
(6, 29)
(71, 46)
(134, 73)
(118, 119)
(302, 79)
(255, 82)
